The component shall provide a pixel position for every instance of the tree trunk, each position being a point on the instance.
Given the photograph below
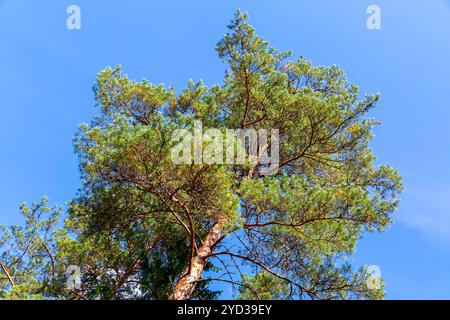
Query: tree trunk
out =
(193, 272)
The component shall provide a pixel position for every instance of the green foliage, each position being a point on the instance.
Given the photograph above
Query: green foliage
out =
(139, 219)
(263, 286)
(27, 253)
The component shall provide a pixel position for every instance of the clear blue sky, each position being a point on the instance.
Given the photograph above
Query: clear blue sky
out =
(47, 71)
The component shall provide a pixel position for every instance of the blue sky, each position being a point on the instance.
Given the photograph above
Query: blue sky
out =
(47, 71)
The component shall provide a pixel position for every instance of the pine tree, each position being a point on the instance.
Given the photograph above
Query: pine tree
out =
(175, 228)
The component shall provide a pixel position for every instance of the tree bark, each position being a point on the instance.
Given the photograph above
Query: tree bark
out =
(193, 272)
(7, 275)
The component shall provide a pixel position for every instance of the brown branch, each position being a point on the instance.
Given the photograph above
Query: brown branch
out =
(258, 263)
(11, 281)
